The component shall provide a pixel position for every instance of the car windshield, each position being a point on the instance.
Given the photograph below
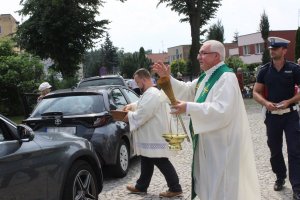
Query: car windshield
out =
(102, 81)
(70, 105)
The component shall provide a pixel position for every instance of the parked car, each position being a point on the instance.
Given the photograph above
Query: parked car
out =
(37, 165)
(102, 80)
(86, 112)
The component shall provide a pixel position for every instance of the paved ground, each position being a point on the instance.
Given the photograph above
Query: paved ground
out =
(115, 189)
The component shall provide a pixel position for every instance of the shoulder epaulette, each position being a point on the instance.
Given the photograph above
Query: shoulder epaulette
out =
(265, 65)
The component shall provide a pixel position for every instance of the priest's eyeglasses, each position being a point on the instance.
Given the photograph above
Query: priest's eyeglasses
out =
(201, 53)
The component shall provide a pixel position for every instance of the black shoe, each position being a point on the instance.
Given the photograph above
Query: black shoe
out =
(296, 195)
(279, 184)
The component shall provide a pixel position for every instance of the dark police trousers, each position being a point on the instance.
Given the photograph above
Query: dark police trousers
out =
(289, 123)
(166, 168)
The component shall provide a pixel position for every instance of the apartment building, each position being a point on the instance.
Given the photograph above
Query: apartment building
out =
(8, 25)
(251, 46)
(179, 52)
(155, 57)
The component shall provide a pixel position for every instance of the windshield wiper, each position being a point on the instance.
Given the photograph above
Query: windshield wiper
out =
(52, 114)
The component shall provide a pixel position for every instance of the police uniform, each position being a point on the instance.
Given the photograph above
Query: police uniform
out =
(279, 86)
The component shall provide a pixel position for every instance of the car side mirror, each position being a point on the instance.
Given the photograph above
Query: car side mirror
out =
(25, 133)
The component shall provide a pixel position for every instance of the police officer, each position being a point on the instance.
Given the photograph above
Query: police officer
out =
(274, 89)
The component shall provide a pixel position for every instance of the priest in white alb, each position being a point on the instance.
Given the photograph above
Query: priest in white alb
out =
(223, 160)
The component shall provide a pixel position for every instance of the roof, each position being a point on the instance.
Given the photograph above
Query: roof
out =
(155, 57)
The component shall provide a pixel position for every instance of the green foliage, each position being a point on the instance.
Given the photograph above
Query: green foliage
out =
(18, 74)
(61, 30)
(6, 47)
(235, 37)
(266, 56)
(297, 46)
(179, 66)
(216, 32)
(129, 64)
(264, 29)
(92, 63)
(143, 61)
(264, 26)
(108, 55)
(235, 62)
(197, 13)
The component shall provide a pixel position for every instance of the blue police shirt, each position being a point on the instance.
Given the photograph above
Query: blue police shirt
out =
(280, 85)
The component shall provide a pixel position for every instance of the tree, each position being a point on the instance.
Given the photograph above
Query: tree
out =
(264, 29)
(61, 30)
(178, 66)
(216, 32)
(6, 47)
(144, 62)
(108, 55)
(91, 63)
(235, 62)
(129, 64)
(235, 37)
(19, 73)
(197, 13)
(297, 46)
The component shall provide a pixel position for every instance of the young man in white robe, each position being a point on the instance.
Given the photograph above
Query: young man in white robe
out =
(223, 161)
(149, 119)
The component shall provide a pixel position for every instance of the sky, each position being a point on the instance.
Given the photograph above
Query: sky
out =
(139, 23)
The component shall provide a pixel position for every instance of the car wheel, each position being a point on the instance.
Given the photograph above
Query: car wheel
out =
(121, 167)
(81, 182)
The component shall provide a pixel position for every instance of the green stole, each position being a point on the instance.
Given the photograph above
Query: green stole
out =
(208, 85)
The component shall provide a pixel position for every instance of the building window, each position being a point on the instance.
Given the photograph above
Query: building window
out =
(246, 50)
(259, 48)
(0, 30)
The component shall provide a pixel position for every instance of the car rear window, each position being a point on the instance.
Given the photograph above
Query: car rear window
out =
(70, 105)
(102, 81)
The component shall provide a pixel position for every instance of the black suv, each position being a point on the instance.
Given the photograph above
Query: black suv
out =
(86, 112)
(102, 80)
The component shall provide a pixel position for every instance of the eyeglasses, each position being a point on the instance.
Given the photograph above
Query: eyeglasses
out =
(205, 53)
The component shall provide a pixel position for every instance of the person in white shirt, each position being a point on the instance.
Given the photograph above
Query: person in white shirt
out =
(149, 119)
(44, 89)
(223, 161)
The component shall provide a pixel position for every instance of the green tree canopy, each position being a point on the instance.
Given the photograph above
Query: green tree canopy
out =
(235, 37)
(235, 62)
(178, 66)
(61, 30)
(216, 32)
(108, 55)
(6, 48)
(19, 73)
(130, 62)
(197, 13)
(264, 29)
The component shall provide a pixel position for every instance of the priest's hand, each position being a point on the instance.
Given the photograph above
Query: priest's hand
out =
(179, 108)
(161, 69)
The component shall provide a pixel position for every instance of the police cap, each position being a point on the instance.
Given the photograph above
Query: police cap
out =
(276, 42)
